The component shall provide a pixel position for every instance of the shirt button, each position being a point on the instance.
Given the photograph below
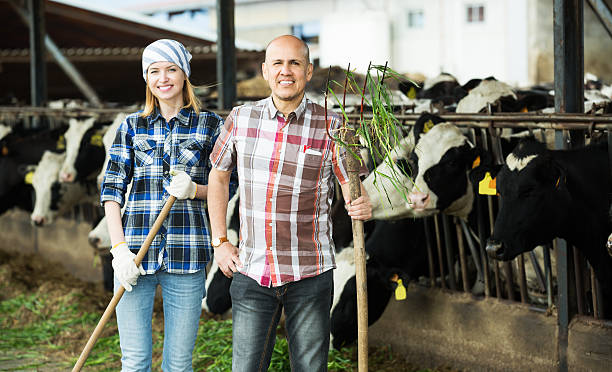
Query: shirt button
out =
(270, 224)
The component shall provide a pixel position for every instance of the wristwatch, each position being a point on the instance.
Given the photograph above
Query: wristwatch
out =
(218, 241)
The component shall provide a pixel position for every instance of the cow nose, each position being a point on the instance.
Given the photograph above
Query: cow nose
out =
(94, 241)
(38, 221)
(418, 200)
(67, 177)
(495, 249)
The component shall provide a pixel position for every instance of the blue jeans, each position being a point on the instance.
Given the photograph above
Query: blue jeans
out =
(182, 296)
(256, 311)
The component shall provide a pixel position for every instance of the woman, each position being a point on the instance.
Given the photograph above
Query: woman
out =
(162, 150)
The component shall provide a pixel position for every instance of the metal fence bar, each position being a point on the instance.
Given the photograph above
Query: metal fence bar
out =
(440, 256)
(522, 279)
(482, 237)
(462, 261)
(578, 263)
(537, 269)
(449, 252)
(430, 253)
(548, 275)
(594, 288)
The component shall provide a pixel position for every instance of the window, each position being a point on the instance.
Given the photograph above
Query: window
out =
(308, 32)
(475, 13)
(415, 19)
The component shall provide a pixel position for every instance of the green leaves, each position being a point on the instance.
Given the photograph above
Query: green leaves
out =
(381, 132)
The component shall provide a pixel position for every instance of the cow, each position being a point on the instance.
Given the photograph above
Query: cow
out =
(442, 88)
(107, 141)
(52, 197)
(445, 177)
(546, 194)
(20, 151)
(84, 154)
(387, 261)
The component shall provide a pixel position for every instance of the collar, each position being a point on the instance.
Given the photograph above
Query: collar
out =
(273, 111)
(182, 117)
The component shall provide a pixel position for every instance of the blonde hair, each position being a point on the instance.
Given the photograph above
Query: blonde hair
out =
(190, 100)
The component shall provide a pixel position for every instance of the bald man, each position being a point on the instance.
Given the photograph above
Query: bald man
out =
(286, 163)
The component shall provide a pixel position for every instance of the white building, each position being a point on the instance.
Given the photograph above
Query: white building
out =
(509, 39)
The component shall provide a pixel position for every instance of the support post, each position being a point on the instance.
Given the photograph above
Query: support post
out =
(62, 61)
(568, 27)
(38, 69)
(226, 54)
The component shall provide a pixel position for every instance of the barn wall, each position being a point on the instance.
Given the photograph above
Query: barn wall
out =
(435, 328)
(64, 242)
(590, 345)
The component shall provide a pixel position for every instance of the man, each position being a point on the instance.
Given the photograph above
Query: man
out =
(285, 161)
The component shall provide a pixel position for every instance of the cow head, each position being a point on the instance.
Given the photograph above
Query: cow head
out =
(389, 199)
(74, 136)
(444, 158)
(45, 176)
(533, 201)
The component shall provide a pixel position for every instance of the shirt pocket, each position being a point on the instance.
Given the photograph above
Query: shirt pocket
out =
(144, 152)
(189, 152)
(310, 164)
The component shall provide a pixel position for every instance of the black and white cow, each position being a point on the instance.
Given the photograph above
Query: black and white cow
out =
(387, 260)
(20, 151)
(84, 149)
(546, 194)
(53, 198)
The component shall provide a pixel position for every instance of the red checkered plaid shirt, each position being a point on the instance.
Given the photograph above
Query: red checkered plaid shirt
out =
(285, 168)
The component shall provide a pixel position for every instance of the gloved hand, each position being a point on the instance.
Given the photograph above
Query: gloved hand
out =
(125, 269)
(181, 186)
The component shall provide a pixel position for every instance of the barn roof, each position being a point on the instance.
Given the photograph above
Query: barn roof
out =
(93, 37)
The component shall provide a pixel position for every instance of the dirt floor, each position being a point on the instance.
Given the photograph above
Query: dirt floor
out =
(31, 275)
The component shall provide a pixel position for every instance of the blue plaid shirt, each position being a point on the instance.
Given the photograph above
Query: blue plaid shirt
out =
(144, 152)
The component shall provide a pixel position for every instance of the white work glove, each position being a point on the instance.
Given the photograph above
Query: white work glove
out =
(125, 269)
(181, 186)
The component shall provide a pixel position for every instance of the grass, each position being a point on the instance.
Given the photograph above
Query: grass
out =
(47, 316)
(35, 329)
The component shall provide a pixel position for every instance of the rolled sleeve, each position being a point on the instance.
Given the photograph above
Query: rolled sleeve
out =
(223, 156)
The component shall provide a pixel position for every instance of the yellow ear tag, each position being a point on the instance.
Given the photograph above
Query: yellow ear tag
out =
(428, 125)
(412, 93)
(96, 140)
(400, 291)
(28, 177)
(61, 143)
(487, 186)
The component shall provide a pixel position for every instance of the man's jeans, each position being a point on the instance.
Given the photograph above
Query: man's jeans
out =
(256, 311)
(182, 297)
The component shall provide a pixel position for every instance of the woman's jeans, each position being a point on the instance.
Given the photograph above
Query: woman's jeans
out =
(256, 311)
(182, 297)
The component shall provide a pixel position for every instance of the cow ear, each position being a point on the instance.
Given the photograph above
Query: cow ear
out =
(557, 177)
(424, 123)
(483, 164)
